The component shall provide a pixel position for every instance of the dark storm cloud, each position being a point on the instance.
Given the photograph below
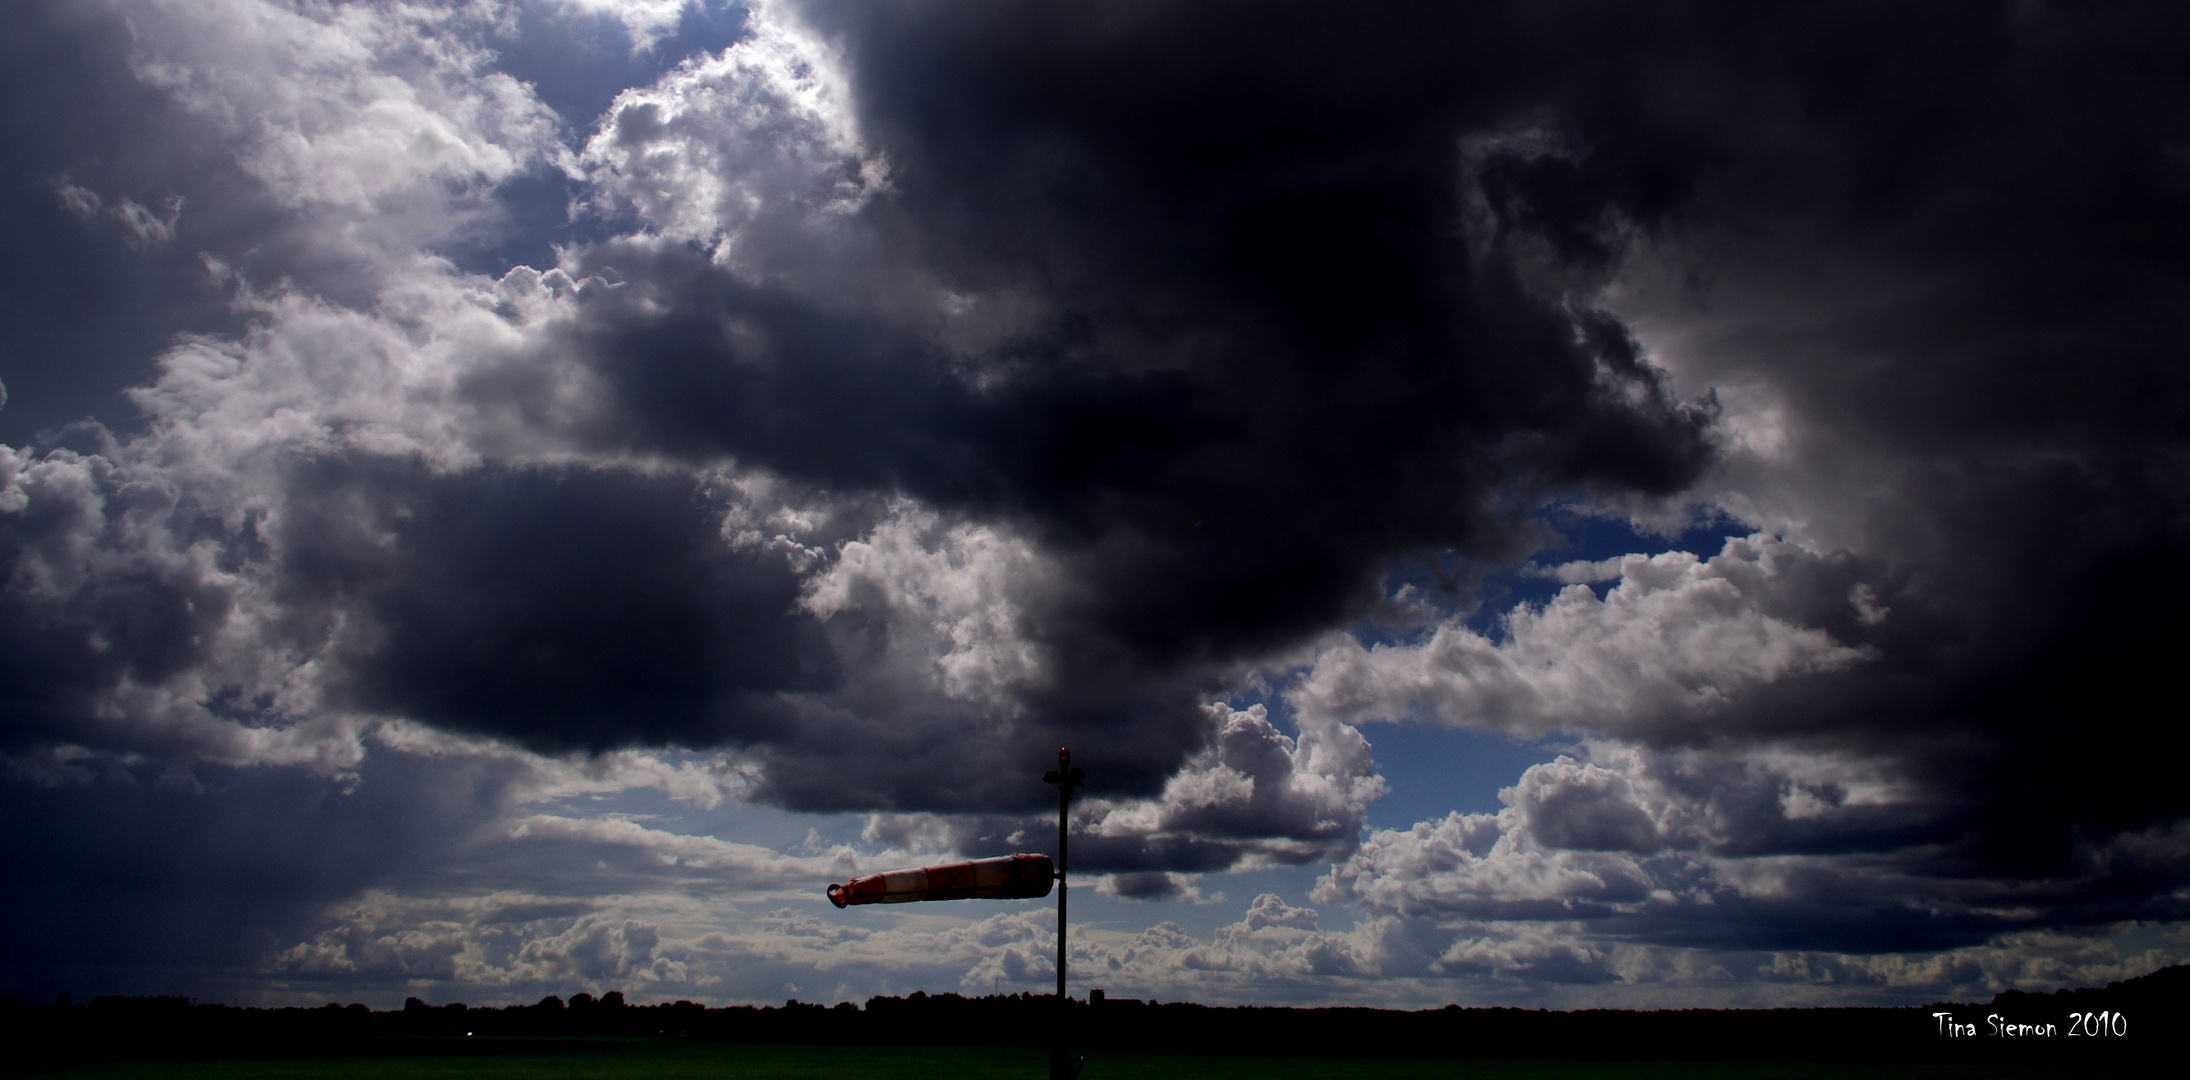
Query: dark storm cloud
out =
(154, 889)
(94, 148)
(1949, 239)
(568, 609)
(1269, 364)
(1246, 394)
(1973, 222)
(1280, 298)
(1264, 370)
(87, 309)
(89, 604)
(870, 749)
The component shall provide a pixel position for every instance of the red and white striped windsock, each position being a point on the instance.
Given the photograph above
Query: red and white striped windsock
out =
(1011, 877)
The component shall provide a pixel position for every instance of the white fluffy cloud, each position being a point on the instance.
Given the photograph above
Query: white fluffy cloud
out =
(1272, 798)
(951, 596)
(1631, 831)
(1674, 642)
(383, 129)
(2030, 960)
(381, 125)
(111, 532)
(1253, 798)
(146, 227)
(746, 152)
(189, 515)
(740, 927)
(495, 941)
(383, 121)
(729, 945)
(316, 377)
(647, 21)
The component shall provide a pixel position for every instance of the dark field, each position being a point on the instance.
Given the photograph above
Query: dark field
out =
(675, 1059)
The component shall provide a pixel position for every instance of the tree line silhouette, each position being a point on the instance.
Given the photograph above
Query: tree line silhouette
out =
(2126, 1023)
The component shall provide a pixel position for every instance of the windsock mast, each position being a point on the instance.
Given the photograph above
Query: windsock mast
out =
(1011, 877)
(1061, 1065)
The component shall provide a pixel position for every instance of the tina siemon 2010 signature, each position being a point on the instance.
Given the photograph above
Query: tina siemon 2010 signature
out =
(2086, 1024)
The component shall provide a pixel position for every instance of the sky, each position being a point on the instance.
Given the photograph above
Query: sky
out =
(1539, 504)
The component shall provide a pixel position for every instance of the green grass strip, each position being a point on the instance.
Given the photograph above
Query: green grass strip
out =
(666, 1059)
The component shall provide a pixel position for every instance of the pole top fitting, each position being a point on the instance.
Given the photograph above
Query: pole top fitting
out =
(1064, 775)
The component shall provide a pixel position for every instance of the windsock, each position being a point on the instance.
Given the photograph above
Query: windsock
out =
(1011, 877)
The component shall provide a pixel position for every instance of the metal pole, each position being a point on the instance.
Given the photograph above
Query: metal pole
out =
(1064, 865)
(1061, 1065)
